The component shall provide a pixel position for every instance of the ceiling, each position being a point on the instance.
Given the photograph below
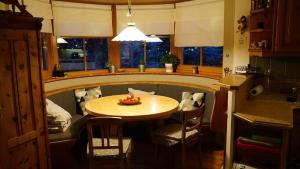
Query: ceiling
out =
(120, 2)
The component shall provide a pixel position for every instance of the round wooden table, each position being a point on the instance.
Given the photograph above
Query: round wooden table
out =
(150, 107)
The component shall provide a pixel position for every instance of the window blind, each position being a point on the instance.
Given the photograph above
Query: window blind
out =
(41, 8)
(199, 23)
(150, 19)
(77, 19)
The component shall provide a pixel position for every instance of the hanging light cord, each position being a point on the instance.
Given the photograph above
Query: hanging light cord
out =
(129, 10)
(129, 7)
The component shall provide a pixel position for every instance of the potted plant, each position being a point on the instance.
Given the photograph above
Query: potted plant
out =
(110, 66)
(171, 62)
(142, 66)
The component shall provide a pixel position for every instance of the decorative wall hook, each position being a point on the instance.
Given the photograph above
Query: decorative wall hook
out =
(242, 24)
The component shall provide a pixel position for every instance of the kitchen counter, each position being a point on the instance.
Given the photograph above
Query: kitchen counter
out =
(268, 109)
(235, 81)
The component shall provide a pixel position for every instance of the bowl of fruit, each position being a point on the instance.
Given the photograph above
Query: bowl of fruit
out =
(130, 99)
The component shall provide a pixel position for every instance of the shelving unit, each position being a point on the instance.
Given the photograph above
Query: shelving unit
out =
(270, 120)
(261, 28)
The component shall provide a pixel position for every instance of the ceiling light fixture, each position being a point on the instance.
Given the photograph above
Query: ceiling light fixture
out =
(130, 33)
(61, 40)
(153, 38)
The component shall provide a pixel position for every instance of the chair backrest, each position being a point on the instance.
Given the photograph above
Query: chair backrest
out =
(107, 128)
(192, 120)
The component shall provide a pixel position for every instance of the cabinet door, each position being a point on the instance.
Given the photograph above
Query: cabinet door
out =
(22, 122)
(288, 27)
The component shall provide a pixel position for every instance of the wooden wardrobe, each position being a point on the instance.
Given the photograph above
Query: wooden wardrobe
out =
(22, 115)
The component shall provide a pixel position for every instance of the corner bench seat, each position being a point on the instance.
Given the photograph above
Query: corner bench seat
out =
(67, 101)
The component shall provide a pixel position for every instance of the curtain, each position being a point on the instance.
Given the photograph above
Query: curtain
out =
(150, 19)
(199, 23)
(77, 19)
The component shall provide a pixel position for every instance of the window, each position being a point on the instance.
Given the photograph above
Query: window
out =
(96, 53)
(191, 55)
(133, 52)
(44, 51)
(155, 51)
(203, 56)
(83, 54)
(212, 56)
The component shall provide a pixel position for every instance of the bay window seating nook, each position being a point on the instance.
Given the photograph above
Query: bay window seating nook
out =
(62, 145)
(107, 145)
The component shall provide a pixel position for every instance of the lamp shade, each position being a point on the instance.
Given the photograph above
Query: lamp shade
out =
(131, 33)
(153, 38)
(61, 40)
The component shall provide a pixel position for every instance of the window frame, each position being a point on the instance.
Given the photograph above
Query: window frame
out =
(145, 51)
(84, 42)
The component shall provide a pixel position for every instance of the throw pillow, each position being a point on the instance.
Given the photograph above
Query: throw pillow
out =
(57, 117)
(134, 91)
(84, 95)
(191, 100)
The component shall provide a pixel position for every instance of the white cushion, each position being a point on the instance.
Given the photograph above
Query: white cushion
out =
(190, 101)
(134, 91)
(84, 95)
(110, 152)
(59, 119)
(57, 112)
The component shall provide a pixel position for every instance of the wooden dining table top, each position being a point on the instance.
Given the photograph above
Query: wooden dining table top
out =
(150, 107)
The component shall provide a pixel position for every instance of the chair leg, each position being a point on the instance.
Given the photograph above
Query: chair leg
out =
(156, 153)
(200, 152)
(183, 156)
(122, 163)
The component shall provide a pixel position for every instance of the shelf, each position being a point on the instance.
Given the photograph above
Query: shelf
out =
(260, 52)
(262, 10)
(260, 30)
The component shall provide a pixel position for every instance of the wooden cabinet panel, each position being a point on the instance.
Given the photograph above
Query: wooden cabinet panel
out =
(22, 126)
(288, 26)
(24, 92)
(24, 156)
(8, 104)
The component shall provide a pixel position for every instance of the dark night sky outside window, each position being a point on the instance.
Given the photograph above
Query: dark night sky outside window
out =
(212, 56)
(131, 54)
(191, 56)
(96, 53)
(155, 51)
(71, 54)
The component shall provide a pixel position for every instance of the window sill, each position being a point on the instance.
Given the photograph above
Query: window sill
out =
(217, 74)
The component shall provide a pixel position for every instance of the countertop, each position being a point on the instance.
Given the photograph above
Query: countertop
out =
(235, 81)
(269, 109)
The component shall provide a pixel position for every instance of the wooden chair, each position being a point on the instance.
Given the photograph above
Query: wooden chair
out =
(106, 144)
(184, 133)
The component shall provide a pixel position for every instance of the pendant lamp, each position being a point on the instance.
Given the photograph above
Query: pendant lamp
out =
(153, 38)
(130, 33)
(61, 40)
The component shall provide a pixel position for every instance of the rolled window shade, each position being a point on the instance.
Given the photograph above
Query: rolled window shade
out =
(76, 19)
(150, 19)
(199, 23)
(41, 8)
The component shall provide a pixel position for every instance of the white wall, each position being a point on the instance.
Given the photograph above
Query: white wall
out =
(229, 12)
(235, 45)
(241, 41)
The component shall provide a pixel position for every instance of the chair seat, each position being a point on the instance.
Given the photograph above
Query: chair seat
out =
(110, 153)
(163, 135)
